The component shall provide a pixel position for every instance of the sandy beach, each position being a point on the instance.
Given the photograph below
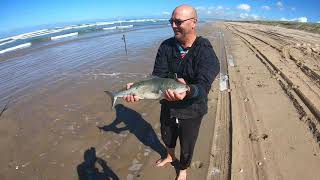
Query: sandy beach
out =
(54, 101)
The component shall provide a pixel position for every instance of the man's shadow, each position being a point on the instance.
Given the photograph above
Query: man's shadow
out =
(136, 125)
(87, 170)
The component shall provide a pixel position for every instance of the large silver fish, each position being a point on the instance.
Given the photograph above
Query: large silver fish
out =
(152, 88)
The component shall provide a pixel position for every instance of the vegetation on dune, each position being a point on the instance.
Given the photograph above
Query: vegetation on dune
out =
(310, 27)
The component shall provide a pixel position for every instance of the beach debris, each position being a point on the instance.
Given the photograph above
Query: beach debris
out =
(259, 163)
(152, 88)
(260, 84)
(264, 136)
(17, 167)
(215, 171)
(223, 84)
(42, 154)
(292, 148)
(254, 137)
(26, 164)
(230, 60)
(241, 170)
(246, 100)
(53, 162)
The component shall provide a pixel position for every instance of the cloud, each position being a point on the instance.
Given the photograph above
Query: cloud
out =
(279, 4)
(222, 12)
(211, 10)
(166, 13)
(293, 8)
(300, 19)
(203, 10)
(200, 8)
(255, 17)
(219, 8)
(266, 7)
(244, 7)
(284, 19)
(246, 16)
(318, 22)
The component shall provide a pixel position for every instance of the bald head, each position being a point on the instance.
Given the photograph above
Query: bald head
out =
(186, 11)
(183, 22)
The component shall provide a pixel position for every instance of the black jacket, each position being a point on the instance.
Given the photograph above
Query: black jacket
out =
(198, 68)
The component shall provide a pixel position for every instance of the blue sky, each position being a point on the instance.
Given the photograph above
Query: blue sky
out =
(17, 14)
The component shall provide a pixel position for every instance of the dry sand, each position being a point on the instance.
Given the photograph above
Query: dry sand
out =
(275, 102)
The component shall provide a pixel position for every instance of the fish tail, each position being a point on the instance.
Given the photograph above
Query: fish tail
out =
(112, 97)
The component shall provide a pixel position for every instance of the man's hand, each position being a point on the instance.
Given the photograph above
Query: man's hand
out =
(172, 96)
(131, 97)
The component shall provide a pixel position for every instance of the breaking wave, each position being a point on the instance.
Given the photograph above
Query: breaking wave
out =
(27, 39)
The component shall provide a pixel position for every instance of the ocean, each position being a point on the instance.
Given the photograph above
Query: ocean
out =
(84, 51)
(25, 40)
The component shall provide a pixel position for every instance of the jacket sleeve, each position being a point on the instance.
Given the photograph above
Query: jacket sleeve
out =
(160, 68)
(207, 70)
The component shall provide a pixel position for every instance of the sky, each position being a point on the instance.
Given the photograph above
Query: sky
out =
(18, 14)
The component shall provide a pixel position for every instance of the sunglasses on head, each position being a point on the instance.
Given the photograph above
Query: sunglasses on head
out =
(178, 22)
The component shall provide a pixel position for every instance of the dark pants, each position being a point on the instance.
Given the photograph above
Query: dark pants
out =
(186, 129)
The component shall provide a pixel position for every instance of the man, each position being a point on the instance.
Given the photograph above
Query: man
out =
(194, 61)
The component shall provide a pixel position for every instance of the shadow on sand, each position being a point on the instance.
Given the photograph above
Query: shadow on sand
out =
(87, 170)
(136, 125)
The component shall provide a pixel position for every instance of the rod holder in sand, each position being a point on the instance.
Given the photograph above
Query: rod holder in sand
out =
(125, 44)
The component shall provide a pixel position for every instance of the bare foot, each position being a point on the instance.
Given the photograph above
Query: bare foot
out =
(162, 162)
(182, 175)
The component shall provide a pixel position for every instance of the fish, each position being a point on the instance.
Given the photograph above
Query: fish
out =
(151, 88)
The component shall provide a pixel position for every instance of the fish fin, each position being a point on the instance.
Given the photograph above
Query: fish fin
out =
(112, 97)
(140, 97)
(161, 94)
(150, 77)
(175, 76)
